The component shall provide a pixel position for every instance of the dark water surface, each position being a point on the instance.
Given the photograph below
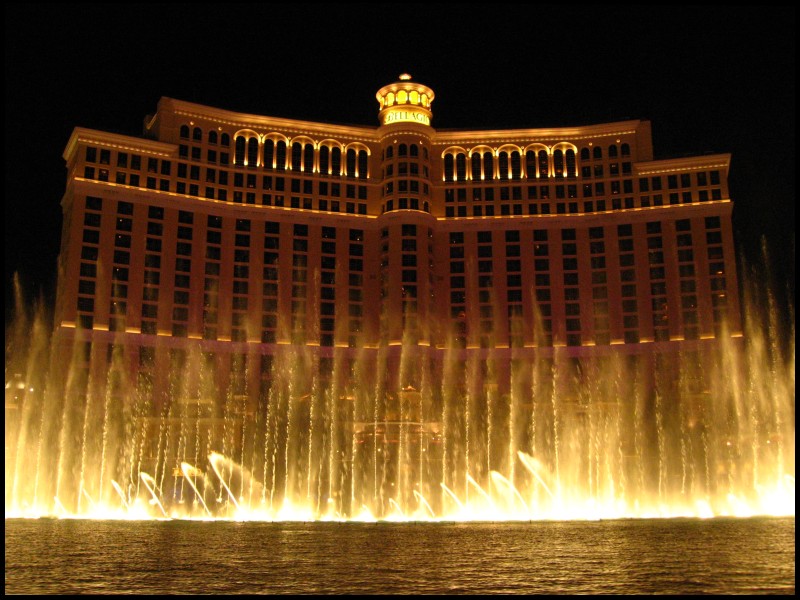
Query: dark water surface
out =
(671, 556)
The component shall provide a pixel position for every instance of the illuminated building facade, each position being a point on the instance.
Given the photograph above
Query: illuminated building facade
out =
(243, 233)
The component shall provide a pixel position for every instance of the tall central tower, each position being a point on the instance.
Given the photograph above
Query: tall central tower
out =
(406, 223)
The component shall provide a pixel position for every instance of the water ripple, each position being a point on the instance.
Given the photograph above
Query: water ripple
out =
(719, 556)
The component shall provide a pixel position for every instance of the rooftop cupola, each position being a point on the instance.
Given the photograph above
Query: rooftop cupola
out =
(405, 101)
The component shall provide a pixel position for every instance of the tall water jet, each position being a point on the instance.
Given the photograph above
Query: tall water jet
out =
(191, 474)
(705, 431)
(152, 488)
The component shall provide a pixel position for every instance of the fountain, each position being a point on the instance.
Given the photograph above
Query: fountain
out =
(707, 430)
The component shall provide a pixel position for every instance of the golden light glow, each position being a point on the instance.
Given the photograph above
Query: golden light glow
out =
(692, 168)
(493, 497)
(582, 214)
(414, 98)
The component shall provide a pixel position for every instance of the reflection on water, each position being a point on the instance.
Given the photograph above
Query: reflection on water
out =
(676, 556)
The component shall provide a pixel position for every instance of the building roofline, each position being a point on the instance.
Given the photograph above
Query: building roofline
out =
(245, 120)
(546, 133)
(248, 120)
(117, 141)
(684, 163)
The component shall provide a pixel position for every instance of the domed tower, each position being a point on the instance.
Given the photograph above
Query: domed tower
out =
(405, 101)
(406, 221)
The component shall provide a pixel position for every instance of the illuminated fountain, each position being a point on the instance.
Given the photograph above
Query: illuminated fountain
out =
(449, 435)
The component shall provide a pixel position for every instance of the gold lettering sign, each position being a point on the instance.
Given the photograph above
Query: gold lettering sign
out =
(406, 116)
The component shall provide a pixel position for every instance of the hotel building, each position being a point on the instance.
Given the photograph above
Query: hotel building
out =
(241, 234)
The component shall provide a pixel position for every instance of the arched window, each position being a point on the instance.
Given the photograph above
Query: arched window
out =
(280, 155)
(324, 154)
(238, 157)
(612, 151)
(626, 150)
(598, 152)
(530, 164)
(363, 164)
(402, 150)
(269, 154)
(424, 153)
(252, 152)
(350, 163)
(476, 167)
(225, 140)
(336, 161)
(544, 167)
(389, 152)
(448, 168)
(212, 137)
(185, 131)
(584, 154)
(414, 150)
(502, 165)
(488, 166)
(572, 167)
(297, 156)
(558, 163)
(516, 166)
(308, 158)
(461, 167)
(197, 134)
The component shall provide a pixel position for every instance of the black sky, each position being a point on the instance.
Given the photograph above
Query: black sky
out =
(709, 79)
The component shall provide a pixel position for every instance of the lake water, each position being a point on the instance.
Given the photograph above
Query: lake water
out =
(667, 556)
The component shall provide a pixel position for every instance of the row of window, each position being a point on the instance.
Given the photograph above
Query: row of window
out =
(588, 190)
(240, 289)
(485, 165)
(514, 292)
(404, 150)
(302, 157)
(213, 137)
(270, 151)
(575, 329)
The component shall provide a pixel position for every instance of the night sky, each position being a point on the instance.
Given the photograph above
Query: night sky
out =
(710, 80)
